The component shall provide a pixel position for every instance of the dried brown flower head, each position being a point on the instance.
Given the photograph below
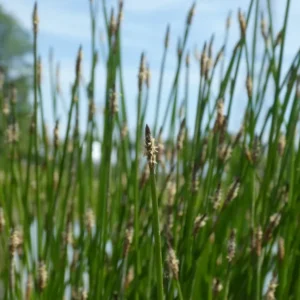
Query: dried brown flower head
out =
(150, 148)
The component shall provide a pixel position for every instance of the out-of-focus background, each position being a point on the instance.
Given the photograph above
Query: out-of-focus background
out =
(64, 25)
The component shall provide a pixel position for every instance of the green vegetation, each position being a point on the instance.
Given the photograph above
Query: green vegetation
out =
(197, 213)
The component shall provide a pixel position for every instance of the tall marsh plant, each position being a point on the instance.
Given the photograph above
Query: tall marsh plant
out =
(207, 214)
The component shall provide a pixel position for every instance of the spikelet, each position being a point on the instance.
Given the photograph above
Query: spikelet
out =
(179, 49)
(242, 22)
(217, 286)
(181, 135)
(220, 115)
(128, 240)
(42, 276)
(124, 131)
(273, 223)
(217, 198)
(148, 76)
(191, 14)
(112, 24)
(270, 295)
(173, 263)
(114, 108)
(56, 134)
(89, 220)
(224, 152)
(150, 148)
(83, 294)
(15, 241)
(263, 28)
(35, 19)
(256, 150)
(6, 108)
(258, 242)
(203, 61)
(12, 133)
(142, 72)
(231, 248)
(78, 63)
(120, 14)
(249, 86)
(281, 144)
(232, 192)
(129, 277)
(200, 221)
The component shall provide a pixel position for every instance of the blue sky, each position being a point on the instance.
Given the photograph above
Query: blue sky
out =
(65, 24)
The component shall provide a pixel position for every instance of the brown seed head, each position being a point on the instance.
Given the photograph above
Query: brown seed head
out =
(217, 198)
(200, 221)
(249, 86)
(181, 135)
(112, 24)
(35, 19)
(281, 144)
(272, 288)
(203, 61)
(114, 107)
(217, 286)
(78, 63)
(150, 148)
(124, 131)
(148, 76)
(6, 109)
(173, 263)
(242, 22)
(231, 248)
(232, 192)
(142, 72)
(263, 28)
(259, 236)
(128, 240)
(16, 240)
(42, 276)
(56, 134)
(12, 133)
(90, 220)
(191, 14)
